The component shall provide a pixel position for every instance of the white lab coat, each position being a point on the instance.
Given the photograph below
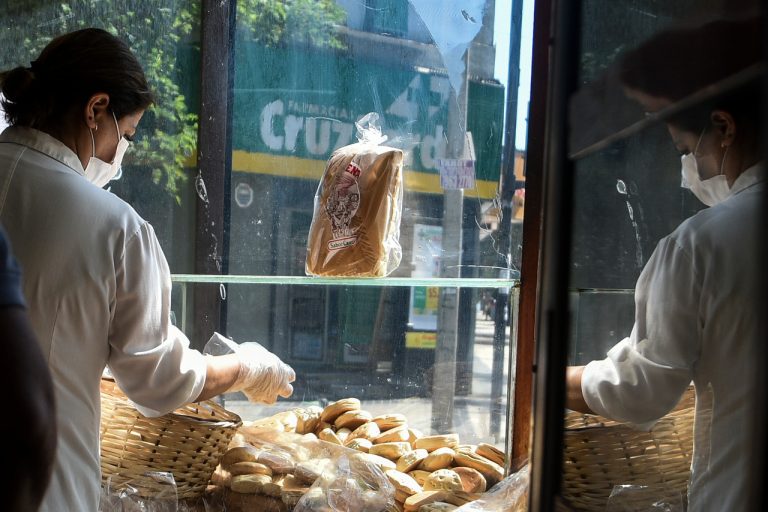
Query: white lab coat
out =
(98, 290)
(696, 319)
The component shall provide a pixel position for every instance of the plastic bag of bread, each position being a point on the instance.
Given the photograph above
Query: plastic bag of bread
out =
(314, 475)
(350, 485)
(355, 227)
(509, 495)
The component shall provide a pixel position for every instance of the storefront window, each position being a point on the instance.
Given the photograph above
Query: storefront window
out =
(432, 338)
(301, 82)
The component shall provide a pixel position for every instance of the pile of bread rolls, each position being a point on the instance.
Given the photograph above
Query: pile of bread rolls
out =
(429, 473)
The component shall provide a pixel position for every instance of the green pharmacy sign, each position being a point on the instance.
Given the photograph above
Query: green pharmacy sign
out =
(293, 108)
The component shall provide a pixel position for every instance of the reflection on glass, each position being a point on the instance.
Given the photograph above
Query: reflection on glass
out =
(653, 319)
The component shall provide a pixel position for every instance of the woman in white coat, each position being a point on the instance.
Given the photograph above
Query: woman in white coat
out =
(94, 276)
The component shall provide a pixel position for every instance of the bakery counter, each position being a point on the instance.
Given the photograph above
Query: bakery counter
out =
(343, 458)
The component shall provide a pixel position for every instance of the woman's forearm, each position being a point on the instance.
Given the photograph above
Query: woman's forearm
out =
(221, 375)
(574, 398)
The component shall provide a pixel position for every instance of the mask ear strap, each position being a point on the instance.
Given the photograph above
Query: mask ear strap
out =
(117, 126)
(699, 141)
(722, 163)
(93, 144)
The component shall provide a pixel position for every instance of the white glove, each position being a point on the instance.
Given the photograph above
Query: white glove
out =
(262, 376)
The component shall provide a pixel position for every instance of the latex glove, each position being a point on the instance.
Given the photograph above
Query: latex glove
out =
(263, 376)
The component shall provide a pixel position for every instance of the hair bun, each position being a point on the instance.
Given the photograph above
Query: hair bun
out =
(17, 82)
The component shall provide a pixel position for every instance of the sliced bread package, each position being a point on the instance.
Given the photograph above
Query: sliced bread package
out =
(355, 229)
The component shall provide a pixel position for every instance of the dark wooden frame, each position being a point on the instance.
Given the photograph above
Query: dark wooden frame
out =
(529, 281)
(214, 162)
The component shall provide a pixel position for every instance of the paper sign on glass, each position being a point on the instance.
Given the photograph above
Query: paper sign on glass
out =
(456, 173)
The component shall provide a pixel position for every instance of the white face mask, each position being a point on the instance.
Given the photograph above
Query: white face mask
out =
(100, 172)
(710, 191)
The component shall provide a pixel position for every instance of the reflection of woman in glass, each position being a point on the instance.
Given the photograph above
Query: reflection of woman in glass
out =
(696, 316)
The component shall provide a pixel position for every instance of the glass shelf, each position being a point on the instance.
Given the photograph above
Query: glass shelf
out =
(459, 282)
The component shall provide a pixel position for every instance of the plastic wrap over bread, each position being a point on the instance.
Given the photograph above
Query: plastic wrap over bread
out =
(355, 227)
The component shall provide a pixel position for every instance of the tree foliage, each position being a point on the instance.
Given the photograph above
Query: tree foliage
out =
(155, 29)
(291, 22)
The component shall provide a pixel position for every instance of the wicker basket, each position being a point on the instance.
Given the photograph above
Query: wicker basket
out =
(187, 443)
(599, 454)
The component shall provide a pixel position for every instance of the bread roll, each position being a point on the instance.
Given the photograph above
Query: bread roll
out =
(359, 444)
(307, 419)
(249, 468)
(246, 453)
(275, 487)
(249, 484)
(411, 460)
(446, 479)
(419, 475)
(279, 464)
(393, 435)
(403, 482)
(457, 498)
(491, 453)
(413, 435)
(336, 409)
(388, 421)
(432, 443)
(309, 471)
(369, 431)
(352, 419)
(471, 479)
(415, 502)
(328, 435)
(292, 491)
(343, 434)
(392, 451)
(383, 463)
(491, 471)
(438, 459)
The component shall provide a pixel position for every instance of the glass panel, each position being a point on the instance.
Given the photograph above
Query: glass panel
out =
(642, 280)
(303, 77)
(360, 344)
(304, 73)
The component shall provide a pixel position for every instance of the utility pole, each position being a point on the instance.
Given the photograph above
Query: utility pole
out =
(444, 370)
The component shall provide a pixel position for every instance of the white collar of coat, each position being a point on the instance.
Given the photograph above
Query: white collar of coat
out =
(749, 177)
(44, 143)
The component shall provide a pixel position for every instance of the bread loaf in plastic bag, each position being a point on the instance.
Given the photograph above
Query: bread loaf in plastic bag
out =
(355, 229)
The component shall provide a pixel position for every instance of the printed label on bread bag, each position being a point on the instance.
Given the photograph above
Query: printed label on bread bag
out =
(341, 207)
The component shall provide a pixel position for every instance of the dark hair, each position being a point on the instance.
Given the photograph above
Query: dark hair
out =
(70, 69)
(679, 62)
